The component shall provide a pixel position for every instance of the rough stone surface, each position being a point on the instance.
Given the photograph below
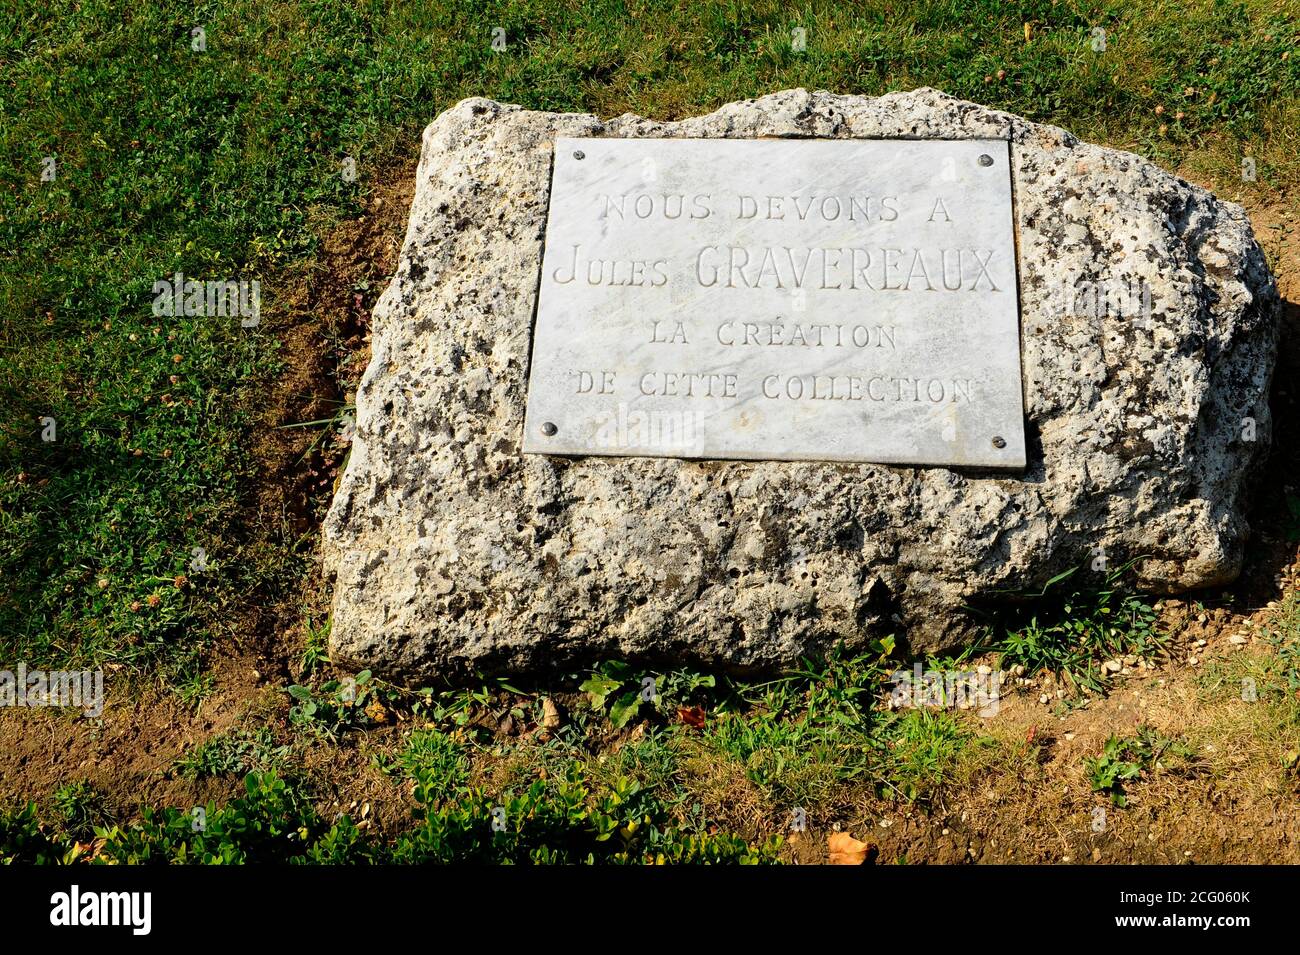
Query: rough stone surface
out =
(448, 549)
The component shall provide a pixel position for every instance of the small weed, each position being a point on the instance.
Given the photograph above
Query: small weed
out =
(240, 752)
(1124, 759)
(923, 747)
(78, 809)
(315, 651)
(338, 706)
(436, 761)
(457, 706)
(615, 687)
(24, 839)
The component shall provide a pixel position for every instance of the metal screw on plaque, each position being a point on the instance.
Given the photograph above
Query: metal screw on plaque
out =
(549, 429)
(579, 154)
(999, 442)
(986, 160)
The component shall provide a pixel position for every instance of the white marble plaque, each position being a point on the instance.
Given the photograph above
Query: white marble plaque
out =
(824, 300)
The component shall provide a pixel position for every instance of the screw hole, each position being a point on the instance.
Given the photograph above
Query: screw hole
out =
(579, 154)
(549, 428)
(986, 160)
(999, 442)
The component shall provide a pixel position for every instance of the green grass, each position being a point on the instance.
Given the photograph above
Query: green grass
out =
(227, 163)
(1073, 626)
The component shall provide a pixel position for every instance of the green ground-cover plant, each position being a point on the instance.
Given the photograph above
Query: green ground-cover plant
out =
(567, 819)
(626, 692)
(340, 704)
(1073, 626)
(25, 839)
(1124, 759)
(273, 823)
(79, 808)
(239, 752)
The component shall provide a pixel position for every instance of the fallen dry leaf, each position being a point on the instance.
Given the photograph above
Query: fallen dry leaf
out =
(845, 850)
(691, 716)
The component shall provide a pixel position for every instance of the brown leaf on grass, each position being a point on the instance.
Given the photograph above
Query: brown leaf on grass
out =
(845, 850)
(691, 716)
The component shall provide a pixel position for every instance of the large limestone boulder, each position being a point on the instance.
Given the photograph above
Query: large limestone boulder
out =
(448, 549)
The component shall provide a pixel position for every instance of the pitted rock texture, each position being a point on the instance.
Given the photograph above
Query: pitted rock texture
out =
(450, 550)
